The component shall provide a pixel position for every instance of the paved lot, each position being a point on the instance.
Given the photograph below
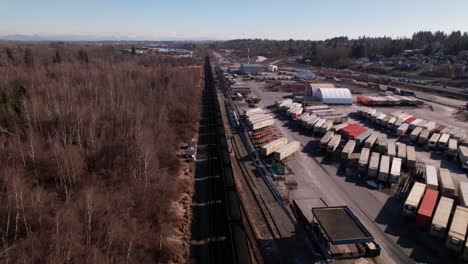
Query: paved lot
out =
(379, 211)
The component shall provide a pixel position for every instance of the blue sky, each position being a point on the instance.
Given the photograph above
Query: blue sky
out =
(203, 19)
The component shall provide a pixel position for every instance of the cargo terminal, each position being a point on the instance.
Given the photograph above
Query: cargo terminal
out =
(395, 159)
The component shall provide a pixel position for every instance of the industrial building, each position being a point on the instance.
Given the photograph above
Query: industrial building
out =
(251, 68)
(334, 95)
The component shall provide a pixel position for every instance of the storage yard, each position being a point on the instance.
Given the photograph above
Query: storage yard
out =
(396, 163)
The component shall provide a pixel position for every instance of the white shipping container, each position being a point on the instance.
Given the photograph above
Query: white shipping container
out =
(273, 146)
(414, 198)
(391, 150)
(415, 133)
(443, 141)
(452, 147)
(364, 159)
(318, 124)
(373, 165)
(415, 123)
(457, 233)
(401, 130)
(287, 150)
(370, 141)
(402, 152)
(463, 193)
(430, 125)
(433, 140)
(325, 139)
(432, 181)
(261, 124)
(410, 156)
(254, 111)
(334, 143)
(384, 168)
(348, 149)
(441, 217)
(447, 188)
(395, 170)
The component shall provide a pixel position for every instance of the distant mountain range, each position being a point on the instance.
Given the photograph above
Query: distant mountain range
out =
(21, 37)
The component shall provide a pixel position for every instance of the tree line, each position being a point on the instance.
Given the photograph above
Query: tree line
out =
(340, 50)
(88, 140)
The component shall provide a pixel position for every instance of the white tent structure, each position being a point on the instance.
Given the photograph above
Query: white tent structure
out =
(334, 95)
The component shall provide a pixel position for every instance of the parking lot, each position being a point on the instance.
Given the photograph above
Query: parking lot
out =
(379, 210)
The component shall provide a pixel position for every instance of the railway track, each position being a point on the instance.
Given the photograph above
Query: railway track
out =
(218, 234)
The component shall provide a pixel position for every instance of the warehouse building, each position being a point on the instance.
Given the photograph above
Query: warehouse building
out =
(251, 68)
(334, 95)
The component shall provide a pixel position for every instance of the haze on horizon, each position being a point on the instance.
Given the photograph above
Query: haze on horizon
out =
(219, 20)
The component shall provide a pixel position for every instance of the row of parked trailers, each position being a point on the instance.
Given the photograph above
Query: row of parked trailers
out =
(389, 100)
(317, 119)
(432, 207)
(451, 141)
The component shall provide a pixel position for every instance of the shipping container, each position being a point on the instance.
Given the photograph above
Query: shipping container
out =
(325, 139)
(431, 125)
(439, 128)
(414, 198)
(443, 141)
(460, 135)
(311, 123)
(384, 168)
(383, 122)
(402, 152)
(395, 170)
(428, 205)
(362, 137)
(391, 150)
(422, 139)
(401, 130)
(463, 156)
(463, 193)
(254, 111)
(261, 124)
(432, 180)
(415, 123)
(457, 232)
(380, 119)
(338, 127)
(326, 126)
(273, 146)
(441, 217)
(452, 148)
(415, 133)
(433, 140)
(370, 141)
(391, 123)
(286, 151)
(373, 165)
(317, 125)
(363, 160)
(283, 103)
(410, 157)
(333, 143)
(257, 118)
(447, 188)
(382, 145)
(348, 149)
(445, 130)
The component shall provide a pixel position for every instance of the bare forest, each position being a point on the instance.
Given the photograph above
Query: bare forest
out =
(89, 171)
